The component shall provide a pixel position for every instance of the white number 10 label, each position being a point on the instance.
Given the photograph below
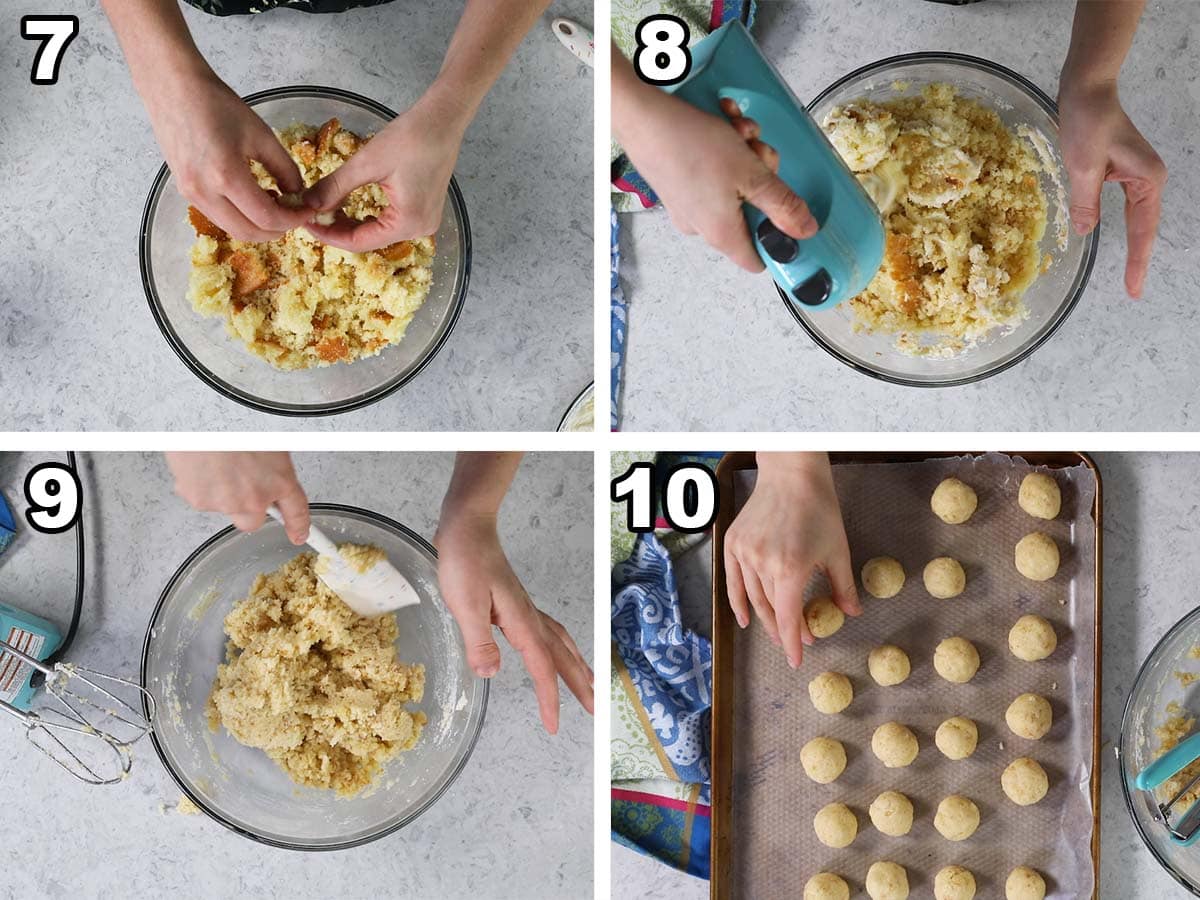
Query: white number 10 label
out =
(56, 34)
(689, 497)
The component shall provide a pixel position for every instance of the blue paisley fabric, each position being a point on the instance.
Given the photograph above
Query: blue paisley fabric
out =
(620, 315)
(670, 667)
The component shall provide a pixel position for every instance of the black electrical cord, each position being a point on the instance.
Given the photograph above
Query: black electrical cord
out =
(77, 611)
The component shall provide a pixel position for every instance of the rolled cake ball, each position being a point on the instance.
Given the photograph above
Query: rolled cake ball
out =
(956, 660)
(823, 759)
(823, 617)
(1039, 496)
(957, 737)
(888, 665)
(882, 577)
(956, 818)
(944, 578)
(894, 745)
(1037, 557)
(953, 501)
(1030, 717)
(830, 692)
(1032, 638)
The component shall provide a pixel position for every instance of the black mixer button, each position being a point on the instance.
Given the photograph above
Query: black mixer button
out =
(780, 247)
(815, 290)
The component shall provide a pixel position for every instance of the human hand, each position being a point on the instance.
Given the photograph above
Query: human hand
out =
(704, 168)
(242, 486)
(412, 159)
(1099, 144)
(790, 527)
(208, 135)
(481, 590)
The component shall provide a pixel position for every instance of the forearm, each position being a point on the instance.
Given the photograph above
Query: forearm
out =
(1100, 40)
(478, 485)
(487, 35)
(156, 42)
(635, 103)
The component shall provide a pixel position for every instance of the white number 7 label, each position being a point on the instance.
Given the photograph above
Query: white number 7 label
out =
(56, 34)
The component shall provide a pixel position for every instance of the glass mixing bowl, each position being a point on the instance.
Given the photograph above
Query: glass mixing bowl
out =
(223, 362)
(1049, 299)
(1155, 687)
(240, 786)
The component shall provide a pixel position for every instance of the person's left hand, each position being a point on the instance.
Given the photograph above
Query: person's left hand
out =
(481, 590)
(1099, 144)
(789, 528)
(412, 159)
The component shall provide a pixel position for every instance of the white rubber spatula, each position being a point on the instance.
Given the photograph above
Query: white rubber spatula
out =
(381, 589)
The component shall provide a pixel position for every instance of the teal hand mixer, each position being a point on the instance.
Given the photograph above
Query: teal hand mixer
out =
(1184, 830)
(82, 719)
(841, 259)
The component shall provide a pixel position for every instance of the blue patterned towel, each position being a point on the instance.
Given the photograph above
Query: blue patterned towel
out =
(661, 699)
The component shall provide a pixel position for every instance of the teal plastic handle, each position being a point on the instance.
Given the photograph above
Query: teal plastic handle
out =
(1170, 763)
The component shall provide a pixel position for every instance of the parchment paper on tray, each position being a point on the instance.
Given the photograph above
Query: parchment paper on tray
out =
(887, 513)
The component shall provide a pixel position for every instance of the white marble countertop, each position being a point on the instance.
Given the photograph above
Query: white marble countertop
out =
(1149, 584)
(81, 351)
(711, 348)
(516, 824)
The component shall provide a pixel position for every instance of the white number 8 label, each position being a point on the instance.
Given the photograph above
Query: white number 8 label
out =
(56, 34)
(689, 498)
(53, 492)
(662, 55)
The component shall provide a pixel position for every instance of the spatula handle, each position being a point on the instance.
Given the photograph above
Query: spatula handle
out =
(316, 538)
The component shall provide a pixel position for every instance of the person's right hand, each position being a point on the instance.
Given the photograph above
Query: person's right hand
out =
(704, 168)
(208, 135)
(242, 486)
(789, 528)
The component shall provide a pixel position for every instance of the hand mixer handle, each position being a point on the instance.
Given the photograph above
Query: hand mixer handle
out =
(838, 261)
(1170, 763)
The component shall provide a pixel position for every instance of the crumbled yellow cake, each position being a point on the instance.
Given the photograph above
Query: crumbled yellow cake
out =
(314, 685)
(963, 212)
(296, 302)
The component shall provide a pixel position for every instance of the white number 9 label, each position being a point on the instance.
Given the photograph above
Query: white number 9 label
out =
(53, 494)
(662, 55)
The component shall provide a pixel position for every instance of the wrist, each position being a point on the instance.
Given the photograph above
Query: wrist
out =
(797, 471)
(447, 103)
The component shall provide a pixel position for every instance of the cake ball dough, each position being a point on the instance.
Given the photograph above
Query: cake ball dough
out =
(882, 577)
(957, 737)
(956, 660)
(953, 502)
(1037, 556)
(954, 883)
(944, 578)
(1029, 716)
(956, 818)
(887, 881)
(1032, 638)
(1024, 782)
(1039, 496)
(888, 665)
(824, 759)
(835, 826)
(826, 886)
(1024, 884)
(894, 745)
(823, 617)
(830, 692)
(892, 814)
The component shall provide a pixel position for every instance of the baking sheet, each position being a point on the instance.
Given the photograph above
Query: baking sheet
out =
(886, 510)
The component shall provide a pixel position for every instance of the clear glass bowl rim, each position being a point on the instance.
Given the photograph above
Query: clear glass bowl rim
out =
(1186, 622)
(227, 390)
(1089, 259)
(377, 519)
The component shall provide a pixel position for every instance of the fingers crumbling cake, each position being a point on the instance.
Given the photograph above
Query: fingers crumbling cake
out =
(296, 302)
